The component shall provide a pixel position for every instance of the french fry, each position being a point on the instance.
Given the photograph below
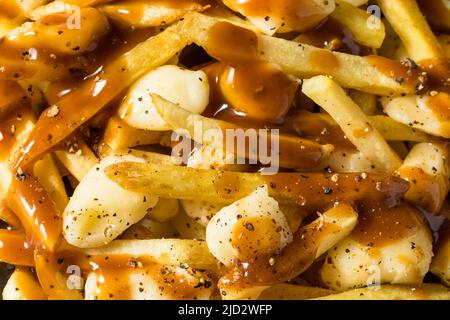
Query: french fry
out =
(23, 285)
(164, 210)
(293, 152)
(79, 160)
(444, 40)
(79, 106)
(300, 59)
(293, 292)
(441, 262)
(394, 292)
(353, 122)
(227, 187)
(53, 282)
(367, 102)
(137, 14)
(6, 215)
(410, 24)
(366, 32)
(427, 169)
(390, 129)
(188, 228)
(6, 25)
(356, 3)
(437, 13)
(49, 177)
(165, 251)
(15, 248)
(119, 135)
(395, 131)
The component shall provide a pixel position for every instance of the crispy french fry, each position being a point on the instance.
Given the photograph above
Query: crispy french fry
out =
(427, 169)
(355, 124)
(366, 32)
(293, 292)
(306, 61)
(410, 24)
(79, 106)
(305, 189)
(394, 292)
(294, 152)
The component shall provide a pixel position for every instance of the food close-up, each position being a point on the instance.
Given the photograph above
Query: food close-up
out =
(224, 150)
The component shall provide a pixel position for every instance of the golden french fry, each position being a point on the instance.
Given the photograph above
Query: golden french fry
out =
(49, 177)
(305, 61)
(311, 190)
(355, 124)
(394, 292)
(410, 24)
(294, 152)
(366, 101)
(395, 131)
(366, 32)
(79, 106)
